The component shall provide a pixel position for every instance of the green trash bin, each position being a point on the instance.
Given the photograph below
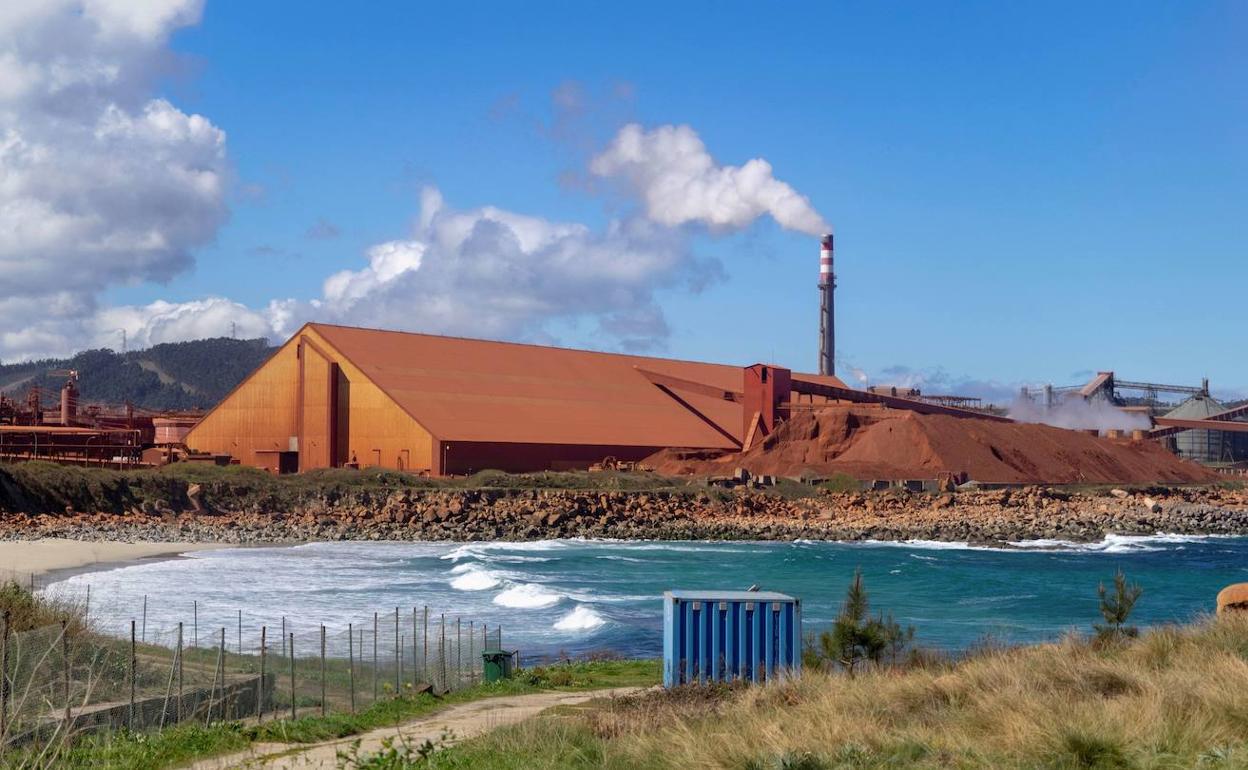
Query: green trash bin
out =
(496, 664)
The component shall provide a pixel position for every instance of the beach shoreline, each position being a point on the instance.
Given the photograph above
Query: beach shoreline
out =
(47, 559)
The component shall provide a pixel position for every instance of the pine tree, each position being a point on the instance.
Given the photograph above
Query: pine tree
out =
(855, 636)
(1116, 607)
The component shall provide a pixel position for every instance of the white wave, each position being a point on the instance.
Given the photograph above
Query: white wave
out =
(923, 558)
(475, 580)
(932, 545)
(484, 550)
(972, 601)
(1112, 543)
(581, 618)
(526, 596)
(616, 557)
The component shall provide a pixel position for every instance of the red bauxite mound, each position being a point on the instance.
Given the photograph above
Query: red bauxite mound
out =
(877, 443)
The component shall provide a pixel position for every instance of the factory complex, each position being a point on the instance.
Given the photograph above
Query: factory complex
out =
(344, 397)
(336, 396)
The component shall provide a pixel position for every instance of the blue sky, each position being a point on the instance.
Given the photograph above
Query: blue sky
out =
(1019, 193)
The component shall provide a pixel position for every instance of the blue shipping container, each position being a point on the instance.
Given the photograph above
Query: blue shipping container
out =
(721, 636)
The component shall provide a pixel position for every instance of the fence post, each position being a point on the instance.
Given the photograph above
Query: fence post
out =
(164, 707)
(180, 648)
(322, 669)
(424, 650)
(264, 652)
(221, 689)
(133, 665)
(442, 649)
(351, 662)
(240, 632)
(65, 659)
(4, 679)
(398, 661)
(459, 654)
(472, 658)
(415, 681)
(374, 657)
(292, 675)
(212, 691)
(195, 624)
(143, 636)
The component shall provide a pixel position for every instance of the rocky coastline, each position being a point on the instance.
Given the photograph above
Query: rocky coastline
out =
(986, 516)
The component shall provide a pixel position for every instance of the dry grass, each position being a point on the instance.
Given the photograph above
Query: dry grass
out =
(1175, 698)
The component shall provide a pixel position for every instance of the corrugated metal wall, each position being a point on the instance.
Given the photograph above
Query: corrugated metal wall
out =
(343, 415)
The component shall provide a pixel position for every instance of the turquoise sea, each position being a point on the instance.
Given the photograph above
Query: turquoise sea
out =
(579, 596)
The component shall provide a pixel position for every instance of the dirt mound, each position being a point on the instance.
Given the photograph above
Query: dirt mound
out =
(877, 443)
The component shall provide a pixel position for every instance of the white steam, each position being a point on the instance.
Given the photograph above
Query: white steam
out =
(1076, 413)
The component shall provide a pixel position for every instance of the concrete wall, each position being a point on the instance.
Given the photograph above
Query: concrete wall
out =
(236, 701)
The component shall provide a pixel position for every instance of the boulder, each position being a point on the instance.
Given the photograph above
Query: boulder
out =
(1233, 598)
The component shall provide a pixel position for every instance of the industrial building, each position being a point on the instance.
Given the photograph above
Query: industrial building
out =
(1199, 428)
(335, 396)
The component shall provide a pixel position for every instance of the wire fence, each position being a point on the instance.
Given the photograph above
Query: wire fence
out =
(71, 678)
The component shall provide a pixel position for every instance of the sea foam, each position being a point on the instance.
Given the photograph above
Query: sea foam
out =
(526, 596)
(474, 580)
(581, 618)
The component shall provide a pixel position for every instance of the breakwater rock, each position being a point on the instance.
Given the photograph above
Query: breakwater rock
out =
(219, 512)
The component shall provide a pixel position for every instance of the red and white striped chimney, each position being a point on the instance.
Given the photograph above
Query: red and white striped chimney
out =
(827, 320)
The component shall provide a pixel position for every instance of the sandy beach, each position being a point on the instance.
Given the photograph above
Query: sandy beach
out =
(19, 559)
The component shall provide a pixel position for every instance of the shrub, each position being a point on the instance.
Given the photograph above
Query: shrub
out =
(27, 611)
(856, 637)
(1116, 609)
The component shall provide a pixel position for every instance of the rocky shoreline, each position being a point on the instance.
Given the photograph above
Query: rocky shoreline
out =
(994, 517)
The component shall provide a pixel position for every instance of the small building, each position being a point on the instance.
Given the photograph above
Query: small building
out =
(335, 396)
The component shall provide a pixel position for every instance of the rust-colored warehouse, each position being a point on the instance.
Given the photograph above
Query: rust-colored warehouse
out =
(334, 395)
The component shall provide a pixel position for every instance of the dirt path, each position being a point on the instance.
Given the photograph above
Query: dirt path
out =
(462, 721)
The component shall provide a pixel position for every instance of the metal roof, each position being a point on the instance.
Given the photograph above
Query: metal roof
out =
(1196, 408)
(477, 390)
(686, 595)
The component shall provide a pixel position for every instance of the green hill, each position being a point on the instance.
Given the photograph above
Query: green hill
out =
(178, 375)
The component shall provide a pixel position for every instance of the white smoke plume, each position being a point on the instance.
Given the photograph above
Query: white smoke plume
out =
(671, 171)
(1077, 413)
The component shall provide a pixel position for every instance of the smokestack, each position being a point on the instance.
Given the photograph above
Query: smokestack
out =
(69, 403)
(827, 318)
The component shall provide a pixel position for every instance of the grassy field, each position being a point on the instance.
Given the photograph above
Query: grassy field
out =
(187, 742)
(1174, 698)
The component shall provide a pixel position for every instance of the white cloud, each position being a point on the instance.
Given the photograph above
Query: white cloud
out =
(58, 325)
(100, 183)
(495, 273)
(161, 321)
(670, 169)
